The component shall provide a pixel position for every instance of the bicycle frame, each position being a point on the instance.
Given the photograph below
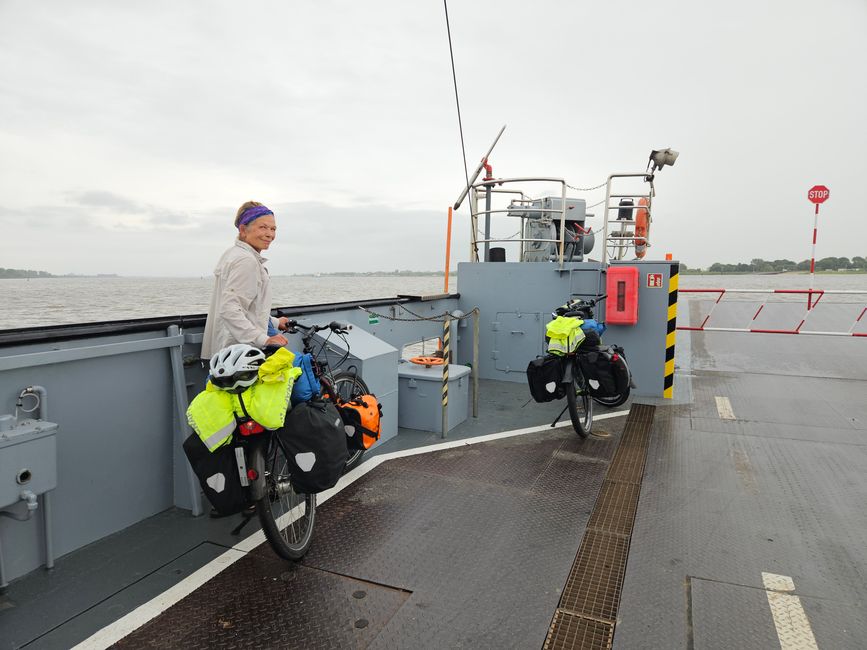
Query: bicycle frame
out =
(321, 368)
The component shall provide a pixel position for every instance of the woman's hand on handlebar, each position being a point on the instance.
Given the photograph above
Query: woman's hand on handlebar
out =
(283, 323)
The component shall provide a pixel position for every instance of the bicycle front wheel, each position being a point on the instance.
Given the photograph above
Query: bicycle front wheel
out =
(286, 516)
(348, 386)
(579, 402)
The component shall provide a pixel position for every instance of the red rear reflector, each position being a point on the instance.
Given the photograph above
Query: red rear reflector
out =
(252, 474)
(615, 357)
(250, 428)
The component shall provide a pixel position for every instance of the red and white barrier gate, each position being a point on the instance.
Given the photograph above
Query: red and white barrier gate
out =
(813, 298)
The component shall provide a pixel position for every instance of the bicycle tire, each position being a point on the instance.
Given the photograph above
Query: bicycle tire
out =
(613, 400)
(348, 385)
(277, 506)
(616, 400)
(579, 403)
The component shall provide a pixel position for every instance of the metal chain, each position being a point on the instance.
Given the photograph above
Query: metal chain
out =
(440, 318)
(586, 189)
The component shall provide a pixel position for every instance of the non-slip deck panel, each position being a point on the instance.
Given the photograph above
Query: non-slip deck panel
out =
(480, 535)
(263, 602)
(779, 489)
(475, 542)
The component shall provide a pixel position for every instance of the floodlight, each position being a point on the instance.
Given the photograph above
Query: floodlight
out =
(659, 158)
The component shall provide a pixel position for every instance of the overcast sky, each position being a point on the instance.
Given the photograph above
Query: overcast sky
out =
(131, 131)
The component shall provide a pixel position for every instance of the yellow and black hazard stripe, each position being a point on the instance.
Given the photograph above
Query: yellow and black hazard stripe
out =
(668, 380)
(446, 332)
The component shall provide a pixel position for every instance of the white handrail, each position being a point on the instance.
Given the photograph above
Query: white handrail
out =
(487, 185)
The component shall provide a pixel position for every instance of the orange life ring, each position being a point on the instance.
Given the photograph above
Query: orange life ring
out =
(642, 226)
(428, 361)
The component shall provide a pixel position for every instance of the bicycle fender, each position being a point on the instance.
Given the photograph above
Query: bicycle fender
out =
(567, 371)
(258, 487)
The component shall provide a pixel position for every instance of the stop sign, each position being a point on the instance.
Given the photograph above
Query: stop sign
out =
(818, 194)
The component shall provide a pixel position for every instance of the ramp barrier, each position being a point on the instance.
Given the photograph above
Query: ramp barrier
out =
(769, 293)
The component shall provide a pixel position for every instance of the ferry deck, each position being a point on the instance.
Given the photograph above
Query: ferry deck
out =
(730, 516)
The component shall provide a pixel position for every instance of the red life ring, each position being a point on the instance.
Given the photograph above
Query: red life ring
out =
(642, 227)
(427, 362)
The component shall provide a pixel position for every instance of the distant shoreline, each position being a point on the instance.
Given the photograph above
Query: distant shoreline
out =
(843, 272)
(40, 275)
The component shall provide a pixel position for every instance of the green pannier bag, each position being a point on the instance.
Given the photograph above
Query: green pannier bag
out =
(564, 335)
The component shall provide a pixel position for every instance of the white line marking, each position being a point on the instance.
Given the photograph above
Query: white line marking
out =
(790, 619)
(724, 408)
(135, 619)
(773, 582)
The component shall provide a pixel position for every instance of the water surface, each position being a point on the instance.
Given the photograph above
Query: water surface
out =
(54, 301)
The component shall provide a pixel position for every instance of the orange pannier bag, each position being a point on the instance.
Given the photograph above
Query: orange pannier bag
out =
(362, 418)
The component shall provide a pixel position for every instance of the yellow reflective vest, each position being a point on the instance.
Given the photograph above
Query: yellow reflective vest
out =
(564, 334)
(212, 413)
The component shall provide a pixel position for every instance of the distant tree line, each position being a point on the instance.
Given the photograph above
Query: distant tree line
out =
(23, 273)
(759, 265)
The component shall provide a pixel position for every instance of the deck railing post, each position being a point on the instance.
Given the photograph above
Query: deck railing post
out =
(180, 386)
(446, 357)
(476, 362)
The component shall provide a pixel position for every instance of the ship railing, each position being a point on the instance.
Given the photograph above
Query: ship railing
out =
(487, 188)
(619, 241)
(813, 297)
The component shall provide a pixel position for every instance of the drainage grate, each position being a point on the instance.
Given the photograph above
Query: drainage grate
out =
(588, 606)
(593, 586)
(570, 631)
(627, 466)
(615, 508)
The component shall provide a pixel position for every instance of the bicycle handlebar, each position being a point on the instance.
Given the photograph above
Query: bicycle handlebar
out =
(579, 307)
(293, 326)
(587, 303)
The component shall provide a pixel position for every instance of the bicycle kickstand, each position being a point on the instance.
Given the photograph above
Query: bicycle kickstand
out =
(557, 419)
(247, 515)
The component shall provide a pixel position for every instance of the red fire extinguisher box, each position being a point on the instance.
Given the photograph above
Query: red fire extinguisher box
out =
(621, 306)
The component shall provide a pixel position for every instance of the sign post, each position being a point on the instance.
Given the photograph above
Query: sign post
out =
(818, 194)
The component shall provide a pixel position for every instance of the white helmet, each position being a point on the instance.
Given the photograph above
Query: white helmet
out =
(236, 367)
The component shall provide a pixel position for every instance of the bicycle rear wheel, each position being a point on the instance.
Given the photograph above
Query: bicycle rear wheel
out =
(579, 402)
(287, 516)
(347, 386)
(615, 400)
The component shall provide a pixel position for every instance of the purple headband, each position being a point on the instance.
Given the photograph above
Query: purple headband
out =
(253, 213)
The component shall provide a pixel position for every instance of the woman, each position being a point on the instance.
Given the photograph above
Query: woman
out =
(240, 310)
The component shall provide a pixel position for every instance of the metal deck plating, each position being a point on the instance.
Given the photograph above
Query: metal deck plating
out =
(476, 540)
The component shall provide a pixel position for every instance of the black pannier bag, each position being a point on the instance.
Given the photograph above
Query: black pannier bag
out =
(545, 378)
(592, 340)
(605, 370)
(218, 475)
(315, 446)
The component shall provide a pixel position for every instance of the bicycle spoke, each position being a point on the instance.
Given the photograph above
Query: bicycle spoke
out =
(286, 516)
